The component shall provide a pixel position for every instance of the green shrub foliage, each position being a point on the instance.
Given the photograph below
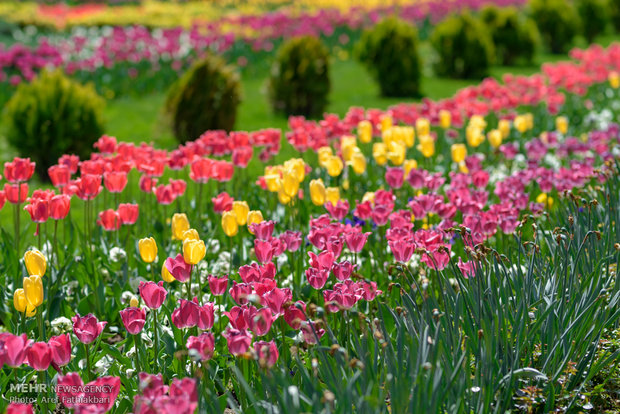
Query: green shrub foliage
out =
(614, 13)
(206, 97)
(51, 116)
(464, 47)
(557, 21)
(299, 82)
(390, 52)
(594, 17)
(515, 36)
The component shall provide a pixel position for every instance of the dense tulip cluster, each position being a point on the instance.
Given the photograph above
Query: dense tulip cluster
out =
(200, 273)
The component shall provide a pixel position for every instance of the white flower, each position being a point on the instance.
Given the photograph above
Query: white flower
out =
(117, 255)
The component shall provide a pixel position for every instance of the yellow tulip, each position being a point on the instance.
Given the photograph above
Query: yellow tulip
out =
(317, 192)
(166, 275)
(396, 153)
(614, 79)
(332, 194)
(33, 290)
(369, 196)
(379, 153)
(254, 217)
(504, 127)
(358, 162)
(241, 210)
(148, 249)
(474, 136)
(283, 198)
(348, 145)
(35, 262)
(545, 199)
(463, 168)
(529, 120)
(561, 124)
(299, 168)
(21, 304)
(334, 166)
(408, 135)
(521, 123)
(409, 165)
(180, 224)
(386, 122)
(422, 126)
(133, 302)
(229, 223)
(387, 135)
(273, 182)
(191, 234)
(445, 119)
(324, 153)
(364, 131)
(495, 138)
(478, 122)
(194, 251)
(459, 152)
(290, 185)
(426, 146)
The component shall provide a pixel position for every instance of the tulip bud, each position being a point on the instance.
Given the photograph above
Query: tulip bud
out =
(254, 217)
(133, 302)
(317, 192)
(614, 79)
(241, 210)
(180, 224)
(166, 275)
(21, 304)
(459, 152)
(504, 126)
(422, 126)
(191, 234)
(364, 131)
(561, 124)
(229, 223)
(445, 119)
(35, 262)
(148, 249)
(194, 251)
(33, 290)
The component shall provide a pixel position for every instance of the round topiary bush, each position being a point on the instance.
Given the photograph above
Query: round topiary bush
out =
(594, 17)
(299, 80)
(557, 22)
(515, 36)
(51, 116)
(464, 46)
(205, 97)
(390, 52)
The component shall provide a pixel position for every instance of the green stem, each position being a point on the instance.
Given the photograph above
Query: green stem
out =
(136, 343)
(88, 368)
(155, 340)
(40, 324)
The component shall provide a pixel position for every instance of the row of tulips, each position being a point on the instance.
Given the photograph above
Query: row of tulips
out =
(252, 281)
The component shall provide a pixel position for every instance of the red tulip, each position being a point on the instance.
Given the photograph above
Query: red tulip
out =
(97, 396)
(294, 315)
(153, 294)
(339, 210)
(128, 213)
(115, 182)
(59, 174)
(317, 278)
(178, 268)
(133, 319)
(291, 240)
(356, 240)
(39, 356)
(204, 345)
(71, 161)
(59, 206)
(17, 408)
(18, 170)
(15, 349)
(201, 170)
(178, 187)
(187, 314)
(262, 230)
(240, 292)
(223, 171)
(38, 210)
(165, 194)
(343, 270)
(106, 144)
(263, 250)
(16, 193)
(88, 186)
(186, 388)
(61, 349)
(267, 353)
(218, 285)
(277, 298)
(110, 220)
(223, 202)
(311, 332)
(87, 328)
(261, 322)
(238, 340)
(92, 167)
(2, 199)
(206, 316)
(147, 183)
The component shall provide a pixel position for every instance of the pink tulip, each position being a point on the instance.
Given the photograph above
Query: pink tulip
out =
(87, 328)
(133, 319)
(61, 349)
(153, 293)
